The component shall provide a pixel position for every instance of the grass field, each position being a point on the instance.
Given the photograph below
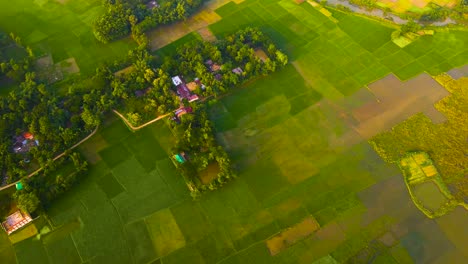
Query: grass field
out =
(61, 28)
(293, 141)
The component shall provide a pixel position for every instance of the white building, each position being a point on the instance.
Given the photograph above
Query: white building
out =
(176, 80)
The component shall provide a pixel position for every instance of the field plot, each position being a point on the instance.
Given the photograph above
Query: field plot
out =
(63, 29)
(294, 141)
(338, 59)
(417, 6)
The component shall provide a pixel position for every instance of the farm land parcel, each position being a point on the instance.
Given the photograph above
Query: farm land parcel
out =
(298, 140)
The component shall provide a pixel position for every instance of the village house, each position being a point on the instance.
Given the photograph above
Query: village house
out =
(182, 90)
(182, 111)
(212, 66)
(152, 4)
(16, 221)
(199, 83)
(237, 70)
(24, 143)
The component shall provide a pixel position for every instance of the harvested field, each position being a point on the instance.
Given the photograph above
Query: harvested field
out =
(165, 35)
(395, 102)
(292, 235)
(124, 71)
(206, 34)
(459, 72)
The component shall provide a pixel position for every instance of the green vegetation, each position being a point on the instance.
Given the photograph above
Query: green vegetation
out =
(425, 185)
(123, 16)
(419, 133)
(290, 137)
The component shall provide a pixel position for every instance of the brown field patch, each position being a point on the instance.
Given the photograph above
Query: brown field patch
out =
(291, 235)
(207, 35)
(209, 174)
(323, 242)
(260, 53)
(459, 72)
(396, 101)
(167, 34)
(124, 71)
(69, 66)
(454, 225)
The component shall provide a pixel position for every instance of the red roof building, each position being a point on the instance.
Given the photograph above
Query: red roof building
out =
(183, 91)
(15, 221)
(28, 135)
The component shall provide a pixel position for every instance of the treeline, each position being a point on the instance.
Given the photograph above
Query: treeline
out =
(147, 88)
(38, 192)
(432, 12)
(237, 50)
(195, 140)
(123, 17)
(14, 68)
(56, 121)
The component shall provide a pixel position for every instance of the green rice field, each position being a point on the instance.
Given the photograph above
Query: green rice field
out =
(290, 135)
(61, 28)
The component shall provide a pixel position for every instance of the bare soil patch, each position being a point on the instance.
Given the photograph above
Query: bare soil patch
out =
(207, 35)
(396, 101)
(209, 174)
(261, 54)
(290, 236)
(124, 71)
(69, 66)
(459, 72)
(167, 34)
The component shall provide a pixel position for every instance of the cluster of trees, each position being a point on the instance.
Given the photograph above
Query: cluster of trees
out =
(237, 50)
(60, 119)
(411, 26)
(195, 138)
(445, 143)
(124, 16)
(147, 90)
(14, 69)
(56, 121)
(39, 192)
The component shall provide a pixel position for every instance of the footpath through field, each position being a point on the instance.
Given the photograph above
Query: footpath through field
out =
(134, 128)
(56, 158)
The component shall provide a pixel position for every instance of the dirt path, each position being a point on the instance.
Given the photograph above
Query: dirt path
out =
(56, 158)
(141, 126)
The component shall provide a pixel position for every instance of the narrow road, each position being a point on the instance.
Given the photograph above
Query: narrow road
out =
(56, 158)
(141, 126)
